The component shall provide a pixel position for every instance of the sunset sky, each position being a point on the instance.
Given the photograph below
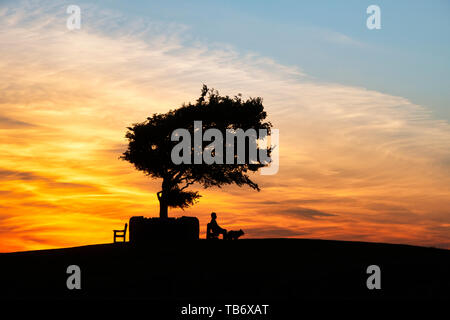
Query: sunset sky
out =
(363, 115)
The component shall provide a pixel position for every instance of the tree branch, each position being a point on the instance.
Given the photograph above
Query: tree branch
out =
(187, 185)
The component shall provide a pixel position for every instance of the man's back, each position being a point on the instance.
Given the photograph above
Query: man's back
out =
(214, 226)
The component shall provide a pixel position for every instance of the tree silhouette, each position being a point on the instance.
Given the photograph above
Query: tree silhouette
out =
(150, 146)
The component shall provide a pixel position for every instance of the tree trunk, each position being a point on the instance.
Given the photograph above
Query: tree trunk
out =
(163, 207)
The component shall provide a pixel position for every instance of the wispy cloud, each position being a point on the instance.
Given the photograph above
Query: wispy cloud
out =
(8, 123)
(335, 37)
(307, 213)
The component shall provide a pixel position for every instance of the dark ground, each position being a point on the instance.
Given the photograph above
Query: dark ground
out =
(248, 270)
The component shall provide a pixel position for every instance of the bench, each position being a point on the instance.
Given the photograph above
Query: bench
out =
(120, 233)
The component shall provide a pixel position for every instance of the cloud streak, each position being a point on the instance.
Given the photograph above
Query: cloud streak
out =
(306, 213)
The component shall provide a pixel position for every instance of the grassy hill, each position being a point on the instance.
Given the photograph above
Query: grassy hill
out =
(248, 269)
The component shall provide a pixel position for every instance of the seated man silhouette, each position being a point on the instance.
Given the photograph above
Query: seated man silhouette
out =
(213, 230)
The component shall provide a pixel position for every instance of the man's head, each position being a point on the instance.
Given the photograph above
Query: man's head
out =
(213, 215)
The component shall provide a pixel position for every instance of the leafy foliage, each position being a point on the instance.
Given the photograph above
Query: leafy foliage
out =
(150, 145)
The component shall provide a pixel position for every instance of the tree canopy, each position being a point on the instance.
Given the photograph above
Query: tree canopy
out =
(150, 146)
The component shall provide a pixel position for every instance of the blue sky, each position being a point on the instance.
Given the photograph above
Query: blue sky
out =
(327, 40)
